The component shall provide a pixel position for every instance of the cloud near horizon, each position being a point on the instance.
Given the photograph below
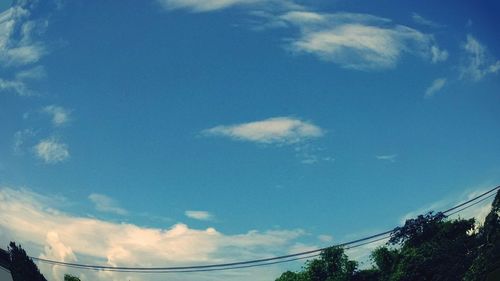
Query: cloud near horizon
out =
(277, 130)
(33, 220)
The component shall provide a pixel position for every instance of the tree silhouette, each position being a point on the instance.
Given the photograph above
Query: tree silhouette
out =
(22, 267)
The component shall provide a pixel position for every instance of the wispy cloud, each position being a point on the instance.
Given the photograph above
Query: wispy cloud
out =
(19, 47)
(199, 215)
(69, 237)
(280, 130)
(387, 157)
(438, 55)
(358, 41)
(325, 238)
(424, 21)
(20, 138)
(60, 115)
(16, 37)
(215, 5)
(106, 204)
(436, 86)
(477, 62)
(52, 151)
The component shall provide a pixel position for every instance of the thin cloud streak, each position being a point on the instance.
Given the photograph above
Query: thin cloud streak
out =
(106, 204)
(424, 21)
(201, 6)
(389, 157)
(435, 87)
(199, 215)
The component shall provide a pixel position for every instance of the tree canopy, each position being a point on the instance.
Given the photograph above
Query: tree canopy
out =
(428, 247)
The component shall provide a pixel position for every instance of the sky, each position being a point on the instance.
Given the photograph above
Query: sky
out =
(180, 132)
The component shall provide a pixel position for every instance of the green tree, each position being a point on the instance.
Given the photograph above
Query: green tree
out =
(68, 277)
(486, 266)
(21, 266)
(332, 265)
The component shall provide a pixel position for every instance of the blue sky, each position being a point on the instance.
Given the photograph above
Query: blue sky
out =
(295, 124)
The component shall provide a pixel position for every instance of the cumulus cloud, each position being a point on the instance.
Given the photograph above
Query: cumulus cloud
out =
(272, 130)
(60, 115)
(106, 204)
(477, 62)
(32, 219)
(436, 86)
(387, 157)
(198, 215)
(358, 41)
(51, 150)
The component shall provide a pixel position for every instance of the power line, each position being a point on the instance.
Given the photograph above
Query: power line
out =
(265, 261)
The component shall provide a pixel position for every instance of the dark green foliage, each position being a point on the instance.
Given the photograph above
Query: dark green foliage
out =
(68, 277)
(332, 265)
(21, 266)
(428, 247)
(486, 265)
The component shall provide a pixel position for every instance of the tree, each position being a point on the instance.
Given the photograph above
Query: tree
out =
(428, 248)
(22, 267)
(332, 265)
(486, 266)
(68, 277)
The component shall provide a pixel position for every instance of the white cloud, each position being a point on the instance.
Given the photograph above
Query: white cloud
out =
(438, 55)
(54, 249)
(272, 130)
(436, 85)
(106, 204)
(199, 215)
(424, 21)
(30, 219)
(215, 5)
(388, 157)
(60, 115)
(20, 137)
(477, 62)
(17, 46)
(204, 5)
(359, 41)
(325, 238)
(15, 86)
(51, 150)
